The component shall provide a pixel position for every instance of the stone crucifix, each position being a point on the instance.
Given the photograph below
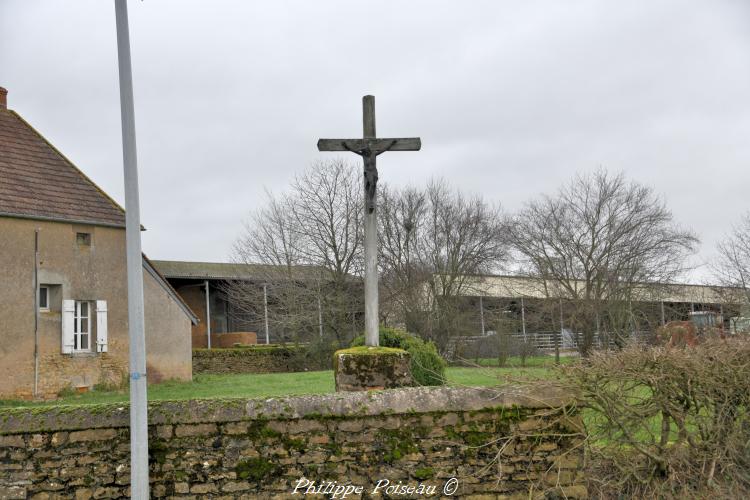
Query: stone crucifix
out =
(369, 147)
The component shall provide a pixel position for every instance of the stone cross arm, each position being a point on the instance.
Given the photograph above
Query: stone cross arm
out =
(370, 147)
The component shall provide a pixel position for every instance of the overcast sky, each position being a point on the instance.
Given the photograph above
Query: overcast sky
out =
(510, 99)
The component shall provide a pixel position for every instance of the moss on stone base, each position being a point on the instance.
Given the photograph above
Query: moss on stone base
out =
(364, 349)
(364, 368)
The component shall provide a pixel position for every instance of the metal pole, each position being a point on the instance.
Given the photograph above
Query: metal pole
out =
(481, 314)
(36, 312)
(523, 321)
(320, 318)
(372, 337)
(265, 310)
(139, 487)
(208, 315)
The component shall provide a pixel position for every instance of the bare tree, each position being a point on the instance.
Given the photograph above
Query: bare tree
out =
(402, 274)
(433, 242)
(327, 211)
(595, 245)
(309, 244)
(732, 268)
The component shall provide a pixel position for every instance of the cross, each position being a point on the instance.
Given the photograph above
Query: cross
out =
(369, 147)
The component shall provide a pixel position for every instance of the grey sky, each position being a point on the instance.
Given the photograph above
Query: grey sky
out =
(510, 99)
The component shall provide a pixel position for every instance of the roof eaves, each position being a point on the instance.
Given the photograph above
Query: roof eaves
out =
(62, 219)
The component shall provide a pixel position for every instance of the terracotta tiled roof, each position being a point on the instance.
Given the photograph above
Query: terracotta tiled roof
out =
(37, 181)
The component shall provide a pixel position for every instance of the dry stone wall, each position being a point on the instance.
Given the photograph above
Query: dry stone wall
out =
(260, 359)
(419, 442)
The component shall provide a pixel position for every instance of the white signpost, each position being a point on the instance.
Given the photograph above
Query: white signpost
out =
(138, 408)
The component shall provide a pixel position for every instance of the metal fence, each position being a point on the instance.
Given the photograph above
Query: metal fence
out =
(547, 341)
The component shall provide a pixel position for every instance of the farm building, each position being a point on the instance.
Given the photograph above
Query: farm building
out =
(211, 289)
(63, 302)
(527, 306)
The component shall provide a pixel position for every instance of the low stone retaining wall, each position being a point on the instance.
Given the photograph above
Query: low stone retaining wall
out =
(228, 340)
(260, 359)
(511, 442)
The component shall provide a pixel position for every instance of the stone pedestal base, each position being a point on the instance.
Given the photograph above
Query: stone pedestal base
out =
(367, 368)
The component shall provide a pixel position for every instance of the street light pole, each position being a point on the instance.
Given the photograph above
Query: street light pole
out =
(137, 341)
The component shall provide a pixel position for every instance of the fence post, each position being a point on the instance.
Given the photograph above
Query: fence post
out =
(558, 336)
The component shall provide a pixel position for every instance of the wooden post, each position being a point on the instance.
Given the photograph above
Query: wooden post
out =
(663, 322)
(372, 336)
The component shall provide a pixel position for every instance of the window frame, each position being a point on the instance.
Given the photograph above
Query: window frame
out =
(83, 239)
(43, 308)
(78, 321)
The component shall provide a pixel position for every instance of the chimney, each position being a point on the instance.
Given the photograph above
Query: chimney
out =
(3, 98)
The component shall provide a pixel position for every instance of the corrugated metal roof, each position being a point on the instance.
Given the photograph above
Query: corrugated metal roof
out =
(229, 271)
(523, 286)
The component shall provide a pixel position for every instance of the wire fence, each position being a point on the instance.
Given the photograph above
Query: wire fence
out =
(548, 341)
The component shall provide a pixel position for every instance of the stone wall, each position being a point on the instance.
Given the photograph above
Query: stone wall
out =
(508, 443)
(260, 359)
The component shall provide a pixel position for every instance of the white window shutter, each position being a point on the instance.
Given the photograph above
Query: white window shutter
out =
(101, 326)
(68, 318)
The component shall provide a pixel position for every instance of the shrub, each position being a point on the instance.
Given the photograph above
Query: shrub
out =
(318, 354)
(668, 422)
(427, 367)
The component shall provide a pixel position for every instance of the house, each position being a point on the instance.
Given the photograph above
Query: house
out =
(63, 300)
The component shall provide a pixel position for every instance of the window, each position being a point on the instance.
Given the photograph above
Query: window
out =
(43, 298)
(83, 239)
(82, 326)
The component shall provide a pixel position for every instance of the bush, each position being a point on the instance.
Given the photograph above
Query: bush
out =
(319, 353)
(427, 367)
(668, 422)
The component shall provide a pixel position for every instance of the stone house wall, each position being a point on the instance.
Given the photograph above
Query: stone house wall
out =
(93, 272)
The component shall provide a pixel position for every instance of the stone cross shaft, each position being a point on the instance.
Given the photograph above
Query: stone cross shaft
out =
(369, 147)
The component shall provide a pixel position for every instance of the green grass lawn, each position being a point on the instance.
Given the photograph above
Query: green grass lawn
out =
(283, 384)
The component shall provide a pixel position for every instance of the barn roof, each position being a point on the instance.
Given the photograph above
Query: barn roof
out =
(504, 286)
(175, 269)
